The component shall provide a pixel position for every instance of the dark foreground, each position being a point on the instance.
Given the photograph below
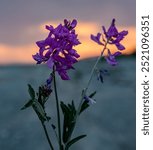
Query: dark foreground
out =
(109, 124)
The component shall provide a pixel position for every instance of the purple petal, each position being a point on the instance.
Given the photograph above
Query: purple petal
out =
(73, 24)
(66, 22)
(70, 25)
(113, 22)
(48, 53)
(64, 75)
(50, 28)
(104, 30)
(120, 37)
(50, 63)
(41, 43)
(89, 100)
(123, 33)
(74, 53)
(75, 41)
(37, 58)
(117, 53)
(111, 60)
(41, 51)
(49, 80)
(119, 46)
(49, 41)
(96, 38)
(112, 31)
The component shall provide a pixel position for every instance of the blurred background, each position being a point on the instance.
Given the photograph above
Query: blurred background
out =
(110, 123)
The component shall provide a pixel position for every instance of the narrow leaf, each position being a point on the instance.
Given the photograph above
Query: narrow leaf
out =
(40, 111)
(31, 92)
(74, 141)
(92, 94)
(28, 104)
(84, 106)
(64, 108)
(69, 112)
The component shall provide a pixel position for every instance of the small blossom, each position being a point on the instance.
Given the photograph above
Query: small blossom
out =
(57, 49)
(97, 38)
(49, 81)
(89, 100)
(113, 36)
(70, 25)
(111, 58)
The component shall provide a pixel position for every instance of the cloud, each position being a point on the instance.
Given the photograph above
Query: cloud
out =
(18, 15)
(23, 53)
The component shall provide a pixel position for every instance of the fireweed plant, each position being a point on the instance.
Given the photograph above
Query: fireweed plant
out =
(58, 53)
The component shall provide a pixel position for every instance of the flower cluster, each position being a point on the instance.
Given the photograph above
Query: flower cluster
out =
(112, 36)
(57, 49)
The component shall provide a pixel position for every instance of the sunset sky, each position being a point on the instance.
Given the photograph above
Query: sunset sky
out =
(22, 23)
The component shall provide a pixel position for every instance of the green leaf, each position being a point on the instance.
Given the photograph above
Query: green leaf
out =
(28, 104)
(69, 112)
(92, 94)
(31, 92)
(84, 106)
(40, 111)
(74, 141)
(64, 108)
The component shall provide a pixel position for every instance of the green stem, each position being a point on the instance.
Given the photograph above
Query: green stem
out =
(88, 83)
(47, 136)
(94, 67)
(58, 111)
(91, 76)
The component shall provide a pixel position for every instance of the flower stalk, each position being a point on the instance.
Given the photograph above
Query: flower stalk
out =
(47, 136)
(57, 109)
(89, 81)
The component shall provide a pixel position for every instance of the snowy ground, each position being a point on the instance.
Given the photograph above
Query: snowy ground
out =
(109, 124)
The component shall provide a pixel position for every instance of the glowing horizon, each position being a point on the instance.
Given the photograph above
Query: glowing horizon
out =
(23, 53)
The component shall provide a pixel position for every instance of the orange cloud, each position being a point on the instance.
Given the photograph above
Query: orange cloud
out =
(16, 54)
(88, 48)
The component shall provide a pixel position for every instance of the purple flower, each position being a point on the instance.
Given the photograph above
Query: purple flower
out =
(89, 100)
(70, 25)
(58, 48)
(113, 36)
(97, 38)
(49, 81)
(110, 58)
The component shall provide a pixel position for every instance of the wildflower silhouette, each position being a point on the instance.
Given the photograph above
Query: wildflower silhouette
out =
(58, 53)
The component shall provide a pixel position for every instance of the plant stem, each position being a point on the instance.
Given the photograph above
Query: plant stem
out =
(89, 81)
(58, 111)
(94, 67)
(47, 136)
